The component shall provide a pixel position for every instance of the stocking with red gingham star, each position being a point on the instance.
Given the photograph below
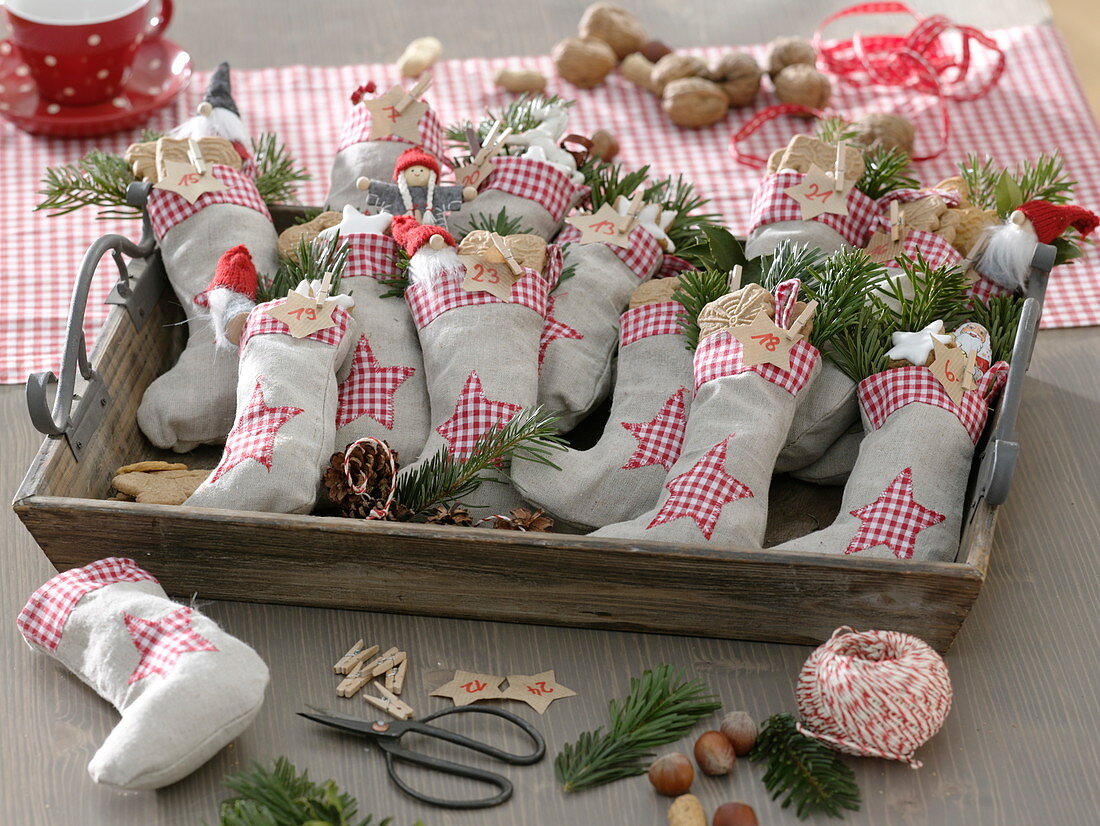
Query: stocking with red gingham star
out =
(480, 363)
(717, 490)
(575, 369)
(620, 477)
(905, 496)
(184, 687)
(285, 428)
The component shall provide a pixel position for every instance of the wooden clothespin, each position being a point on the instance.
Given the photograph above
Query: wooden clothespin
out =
(194, 154)
(385, 663)
(356, 655)
(351, 684)
(968, 375)
(838, 166)
(734, 282)
(895, 221)
(326, 288)
(492, 146)
(413, 94)
(389, 703)
(803, 319)
(509, 258)
(626, 222)
(395, 677)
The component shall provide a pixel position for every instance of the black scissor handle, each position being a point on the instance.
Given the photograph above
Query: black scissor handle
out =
(420, 727)
(395, 753)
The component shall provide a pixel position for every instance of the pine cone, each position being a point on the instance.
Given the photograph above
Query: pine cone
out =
(454, 515)
(368, 465)
(522, 519)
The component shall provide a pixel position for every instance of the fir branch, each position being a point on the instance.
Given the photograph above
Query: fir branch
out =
(661, 708)
(1000, 316)
(834, 129)
(98, 179)
(884, 171)
(1003, 190)
(520, 114)
(399, 281)
(686, 231)
(981, 180)
(502, 223)
(921, 294)
(1045, 179)
(609, 182)
(788, 260)
(280, 796)
(277, 172)
(530, 435)
(314, 258)
(568, 269)
(804, 771)
(859, 350)
(697, 289)
(840, 284)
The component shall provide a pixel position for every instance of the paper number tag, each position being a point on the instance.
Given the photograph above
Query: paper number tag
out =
(488, 277)
(951, 367)
(601, 226)
(817, 194)
(882, 249)
(467, 687)
(385, 120)
(302, 315)
(764, 342)
(182, 178)
(474, 176)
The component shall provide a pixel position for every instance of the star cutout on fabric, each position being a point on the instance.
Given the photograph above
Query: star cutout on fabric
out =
(474, 416)
(253, 434)
(353, 221)
(537, 690)
(553, 330)
(369, 388)
(385, 120)
(467, 687)
(161, 642)
(893, 520)
(659, 439)
(702, 491)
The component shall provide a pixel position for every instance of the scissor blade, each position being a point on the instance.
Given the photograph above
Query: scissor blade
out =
(352, 724)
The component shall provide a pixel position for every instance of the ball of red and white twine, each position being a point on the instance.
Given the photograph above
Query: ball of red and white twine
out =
(874, 694)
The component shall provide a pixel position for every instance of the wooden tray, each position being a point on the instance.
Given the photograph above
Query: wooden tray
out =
(556, 579)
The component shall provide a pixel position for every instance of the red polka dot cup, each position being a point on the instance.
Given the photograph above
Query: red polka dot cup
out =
(80, 51)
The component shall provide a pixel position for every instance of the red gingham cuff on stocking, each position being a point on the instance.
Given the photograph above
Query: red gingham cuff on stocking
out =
(672, 266)
(259, 323)
(370, 255)
(640, 256)
(719, 355)
(428, 303)
(534, 180)
(42, 620)
(985, 289)
(933, 248)
(551, 271)
(650, 320)
(167, 209)
(771, 204)
(888, 391)
(357, 130)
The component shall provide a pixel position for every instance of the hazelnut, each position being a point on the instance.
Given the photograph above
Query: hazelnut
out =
(672, 774)
(615, 26)
(789, 51)
(520, 80)
(886, 129)
(735, 814)
(675, 66)
(694, 102)
(604, 145)
(583, 62)
(654, 50)
(739, 76)
(686, 810)
(803, 84)
(638, 71)
(740, 730)
(714, 753)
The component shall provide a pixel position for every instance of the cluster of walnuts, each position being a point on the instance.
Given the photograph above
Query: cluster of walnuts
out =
(692, 93)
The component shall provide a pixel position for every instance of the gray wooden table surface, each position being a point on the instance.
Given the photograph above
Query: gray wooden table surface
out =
(1020, 745)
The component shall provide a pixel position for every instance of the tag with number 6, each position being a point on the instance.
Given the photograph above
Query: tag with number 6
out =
(487, 276)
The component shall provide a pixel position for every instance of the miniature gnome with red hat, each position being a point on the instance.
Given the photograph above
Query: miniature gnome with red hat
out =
(192, 403)
(184, 687)
(1004, 253)
(480, 352)
(416, 190)
(232, 295)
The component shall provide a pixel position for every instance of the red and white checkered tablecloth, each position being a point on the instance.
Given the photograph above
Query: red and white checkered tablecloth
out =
(1037, 106)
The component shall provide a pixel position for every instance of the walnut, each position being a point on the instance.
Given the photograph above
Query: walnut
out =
(803, 84)
(694, 102)
(615, 26)
(739, 76)
(886, 129)
(584, 62)
(789, 51)
(675, 66)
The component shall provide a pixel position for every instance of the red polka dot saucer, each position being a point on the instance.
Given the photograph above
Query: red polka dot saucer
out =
(161, 70)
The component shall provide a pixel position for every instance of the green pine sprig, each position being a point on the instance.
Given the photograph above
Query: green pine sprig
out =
(696, 290)
(280, 796)
(314, 259)
(804, 771)
(686, 230)
(859, 350)
(530, 435)
(1003, 190)
(788, 260)
(398, 282)
(520, 114)
(277, 171)
(502, 224)
(662, 707)
(923, 294)
(840, 284)
(834, 129)
(1000, 316)
(610, 181)
(885, 169)
(568, 267)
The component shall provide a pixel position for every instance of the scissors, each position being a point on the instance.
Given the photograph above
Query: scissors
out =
(387, 736)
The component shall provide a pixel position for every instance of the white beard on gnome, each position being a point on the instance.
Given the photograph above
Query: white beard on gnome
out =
(435, 260)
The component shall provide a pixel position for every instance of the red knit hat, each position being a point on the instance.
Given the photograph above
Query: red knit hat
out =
(235, 271)
(415, 157)
(1051, 220)
(412, 235)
